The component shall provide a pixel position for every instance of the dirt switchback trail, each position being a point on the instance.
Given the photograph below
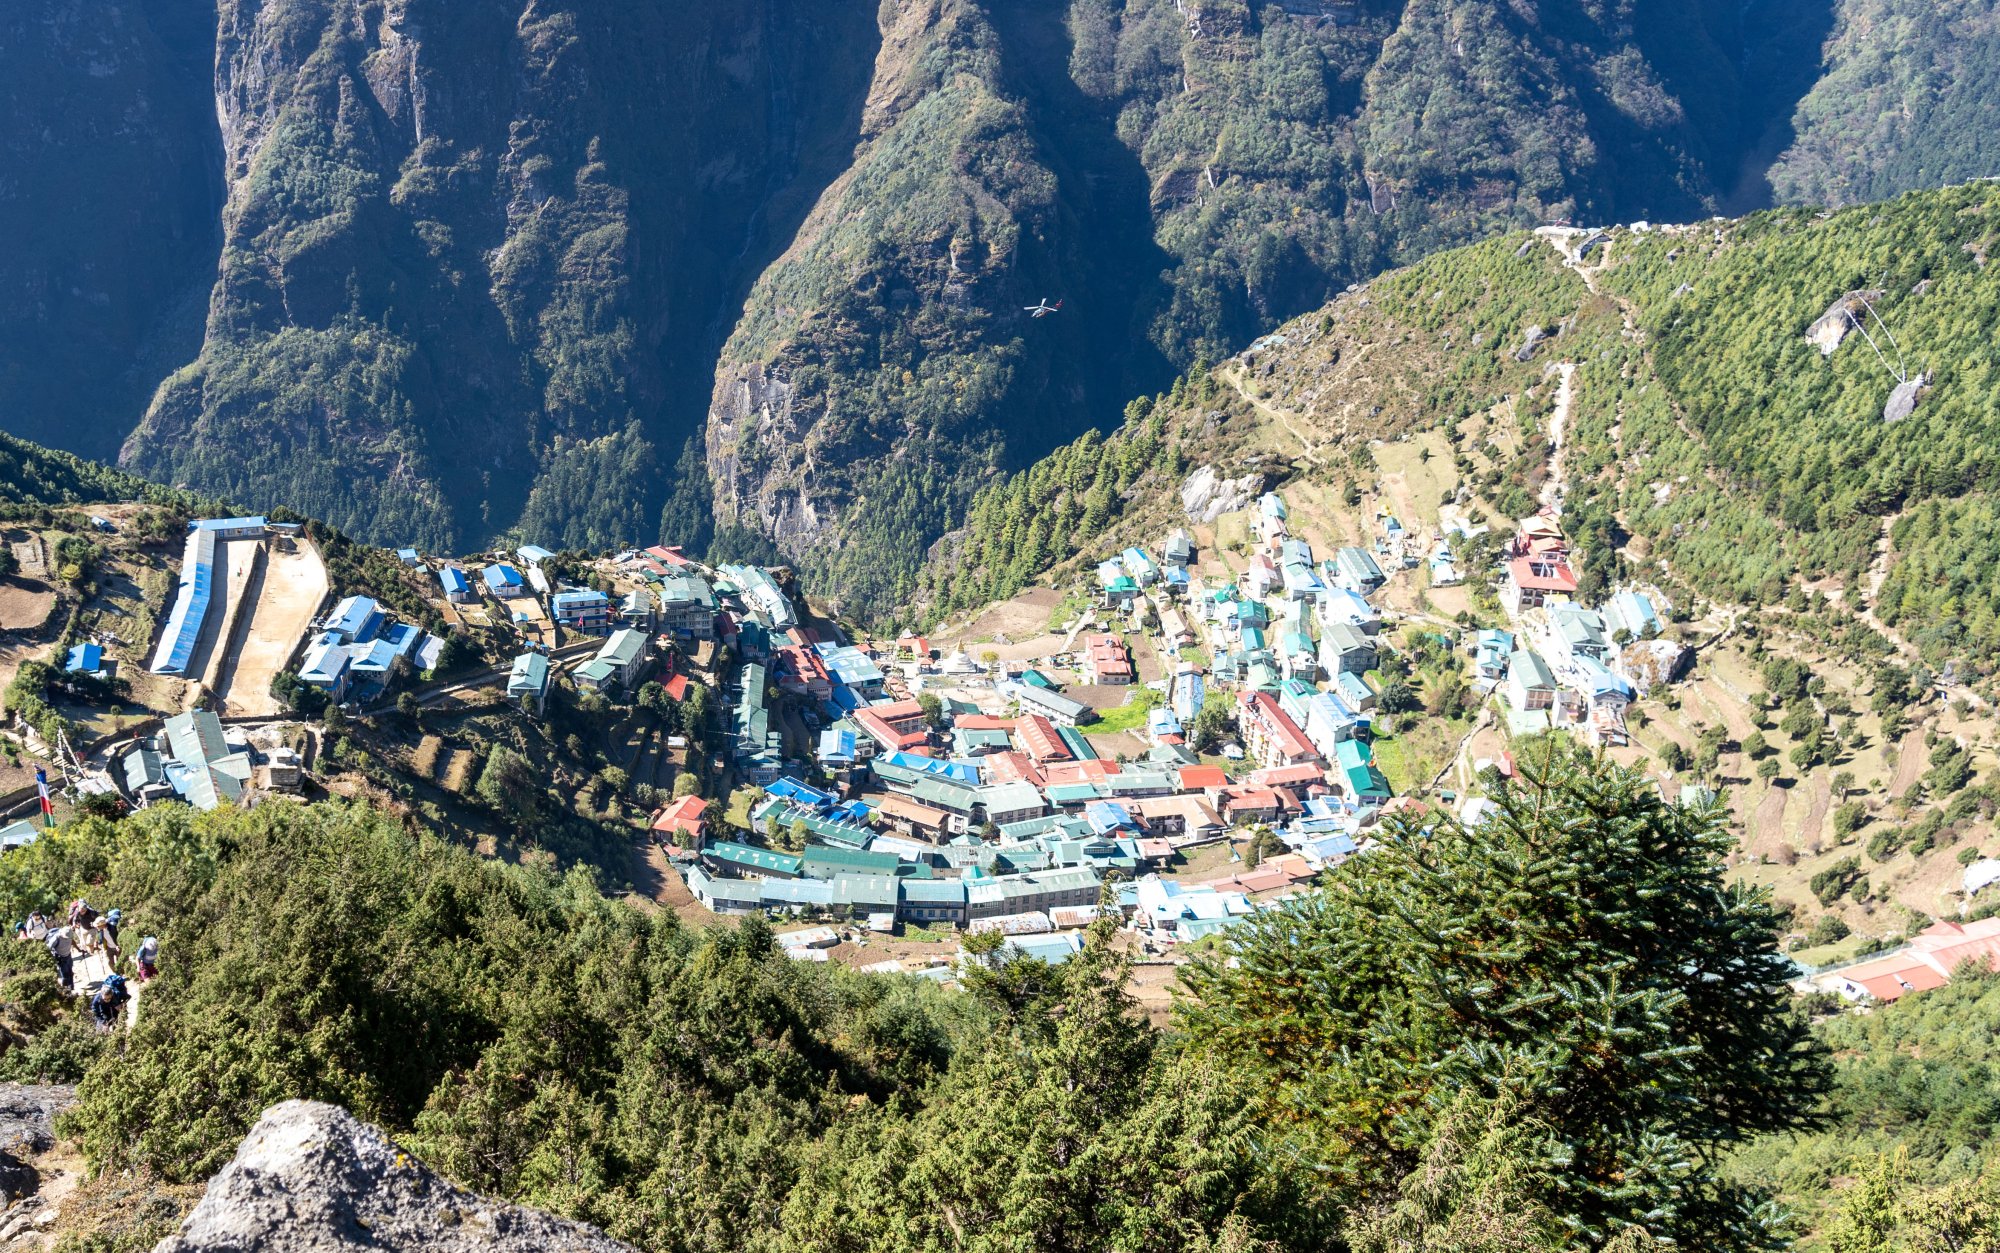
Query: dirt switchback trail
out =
(1234, 377)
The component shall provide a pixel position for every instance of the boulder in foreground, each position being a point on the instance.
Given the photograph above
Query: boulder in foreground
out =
(312, 1178)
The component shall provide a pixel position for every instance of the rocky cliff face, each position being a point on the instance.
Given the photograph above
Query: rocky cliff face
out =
(753, 275)
(109, 187)
(312, 1178)
(470, 248)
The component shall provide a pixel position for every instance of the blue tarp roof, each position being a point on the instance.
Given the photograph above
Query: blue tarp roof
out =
(1105, 816)
(191, 604)
(792, 790)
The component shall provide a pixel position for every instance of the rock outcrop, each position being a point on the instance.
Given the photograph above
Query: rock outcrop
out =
(312, 1178)
(1831, 327)
(1206, 495)
(27, 1130)
(1904, 400)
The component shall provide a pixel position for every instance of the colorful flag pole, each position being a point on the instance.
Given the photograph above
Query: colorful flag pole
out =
(48, 806)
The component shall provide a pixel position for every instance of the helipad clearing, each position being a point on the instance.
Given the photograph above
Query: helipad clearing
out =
(288, 589)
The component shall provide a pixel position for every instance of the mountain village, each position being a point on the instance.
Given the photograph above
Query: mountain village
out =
(1191, 748)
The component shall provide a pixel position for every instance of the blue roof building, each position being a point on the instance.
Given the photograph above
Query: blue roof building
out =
(957, 771)
(1632, 613)
(1105, 817)
(372, 660)
(836, 747)
(84, 659)
(452, 579)
(1189, 692)
(798, 793)
(1140, 566)
(503, 580)
(192, 601)
(232, 528)
(356, 620)
(325, 665)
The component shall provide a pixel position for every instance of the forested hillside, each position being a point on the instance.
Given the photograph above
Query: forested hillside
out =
(1713, 445)
(34, 476)
(754, 276)
(1601, 1021)
(1906, 99)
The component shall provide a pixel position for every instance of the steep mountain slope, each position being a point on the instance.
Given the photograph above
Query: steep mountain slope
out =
(472, 248)
(753, 275)
(1710, 439)
(33, 475)
(109, 188)
(884, 368)
(1907, 99)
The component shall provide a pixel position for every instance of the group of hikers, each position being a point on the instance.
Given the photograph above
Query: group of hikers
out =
(84, 931)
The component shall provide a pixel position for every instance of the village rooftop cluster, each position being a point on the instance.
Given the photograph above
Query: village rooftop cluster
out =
(898, 787)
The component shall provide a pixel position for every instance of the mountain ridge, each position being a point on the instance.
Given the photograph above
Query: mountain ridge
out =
(564, 272)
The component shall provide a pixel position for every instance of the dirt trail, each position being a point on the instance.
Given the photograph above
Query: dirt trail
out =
(1307, 448)
(1552, 490)
(1878, 574)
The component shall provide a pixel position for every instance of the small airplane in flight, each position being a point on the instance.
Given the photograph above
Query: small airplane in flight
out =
(1043, 309)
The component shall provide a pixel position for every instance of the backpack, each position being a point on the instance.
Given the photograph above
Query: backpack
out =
(114, 987)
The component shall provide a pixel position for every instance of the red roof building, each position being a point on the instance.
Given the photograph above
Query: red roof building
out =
(1250, 804)
(982, 722)
(684, 815)
(1936, 952)
(1057, 773)
(1039, 737)
(1106, 661)
(1202, 778)
(886, 733)
(1532, 581)
(1010, 768)
(1288, 776)
(904, 715)
(1270, 734)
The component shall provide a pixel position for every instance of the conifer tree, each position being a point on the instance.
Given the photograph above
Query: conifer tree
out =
(1579, 952)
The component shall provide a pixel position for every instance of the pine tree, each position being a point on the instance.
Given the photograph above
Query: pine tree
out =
(1580, 951)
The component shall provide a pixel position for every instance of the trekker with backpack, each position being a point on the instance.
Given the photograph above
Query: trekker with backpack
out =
(64, 952)
(109, 1002)
(107, 935)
